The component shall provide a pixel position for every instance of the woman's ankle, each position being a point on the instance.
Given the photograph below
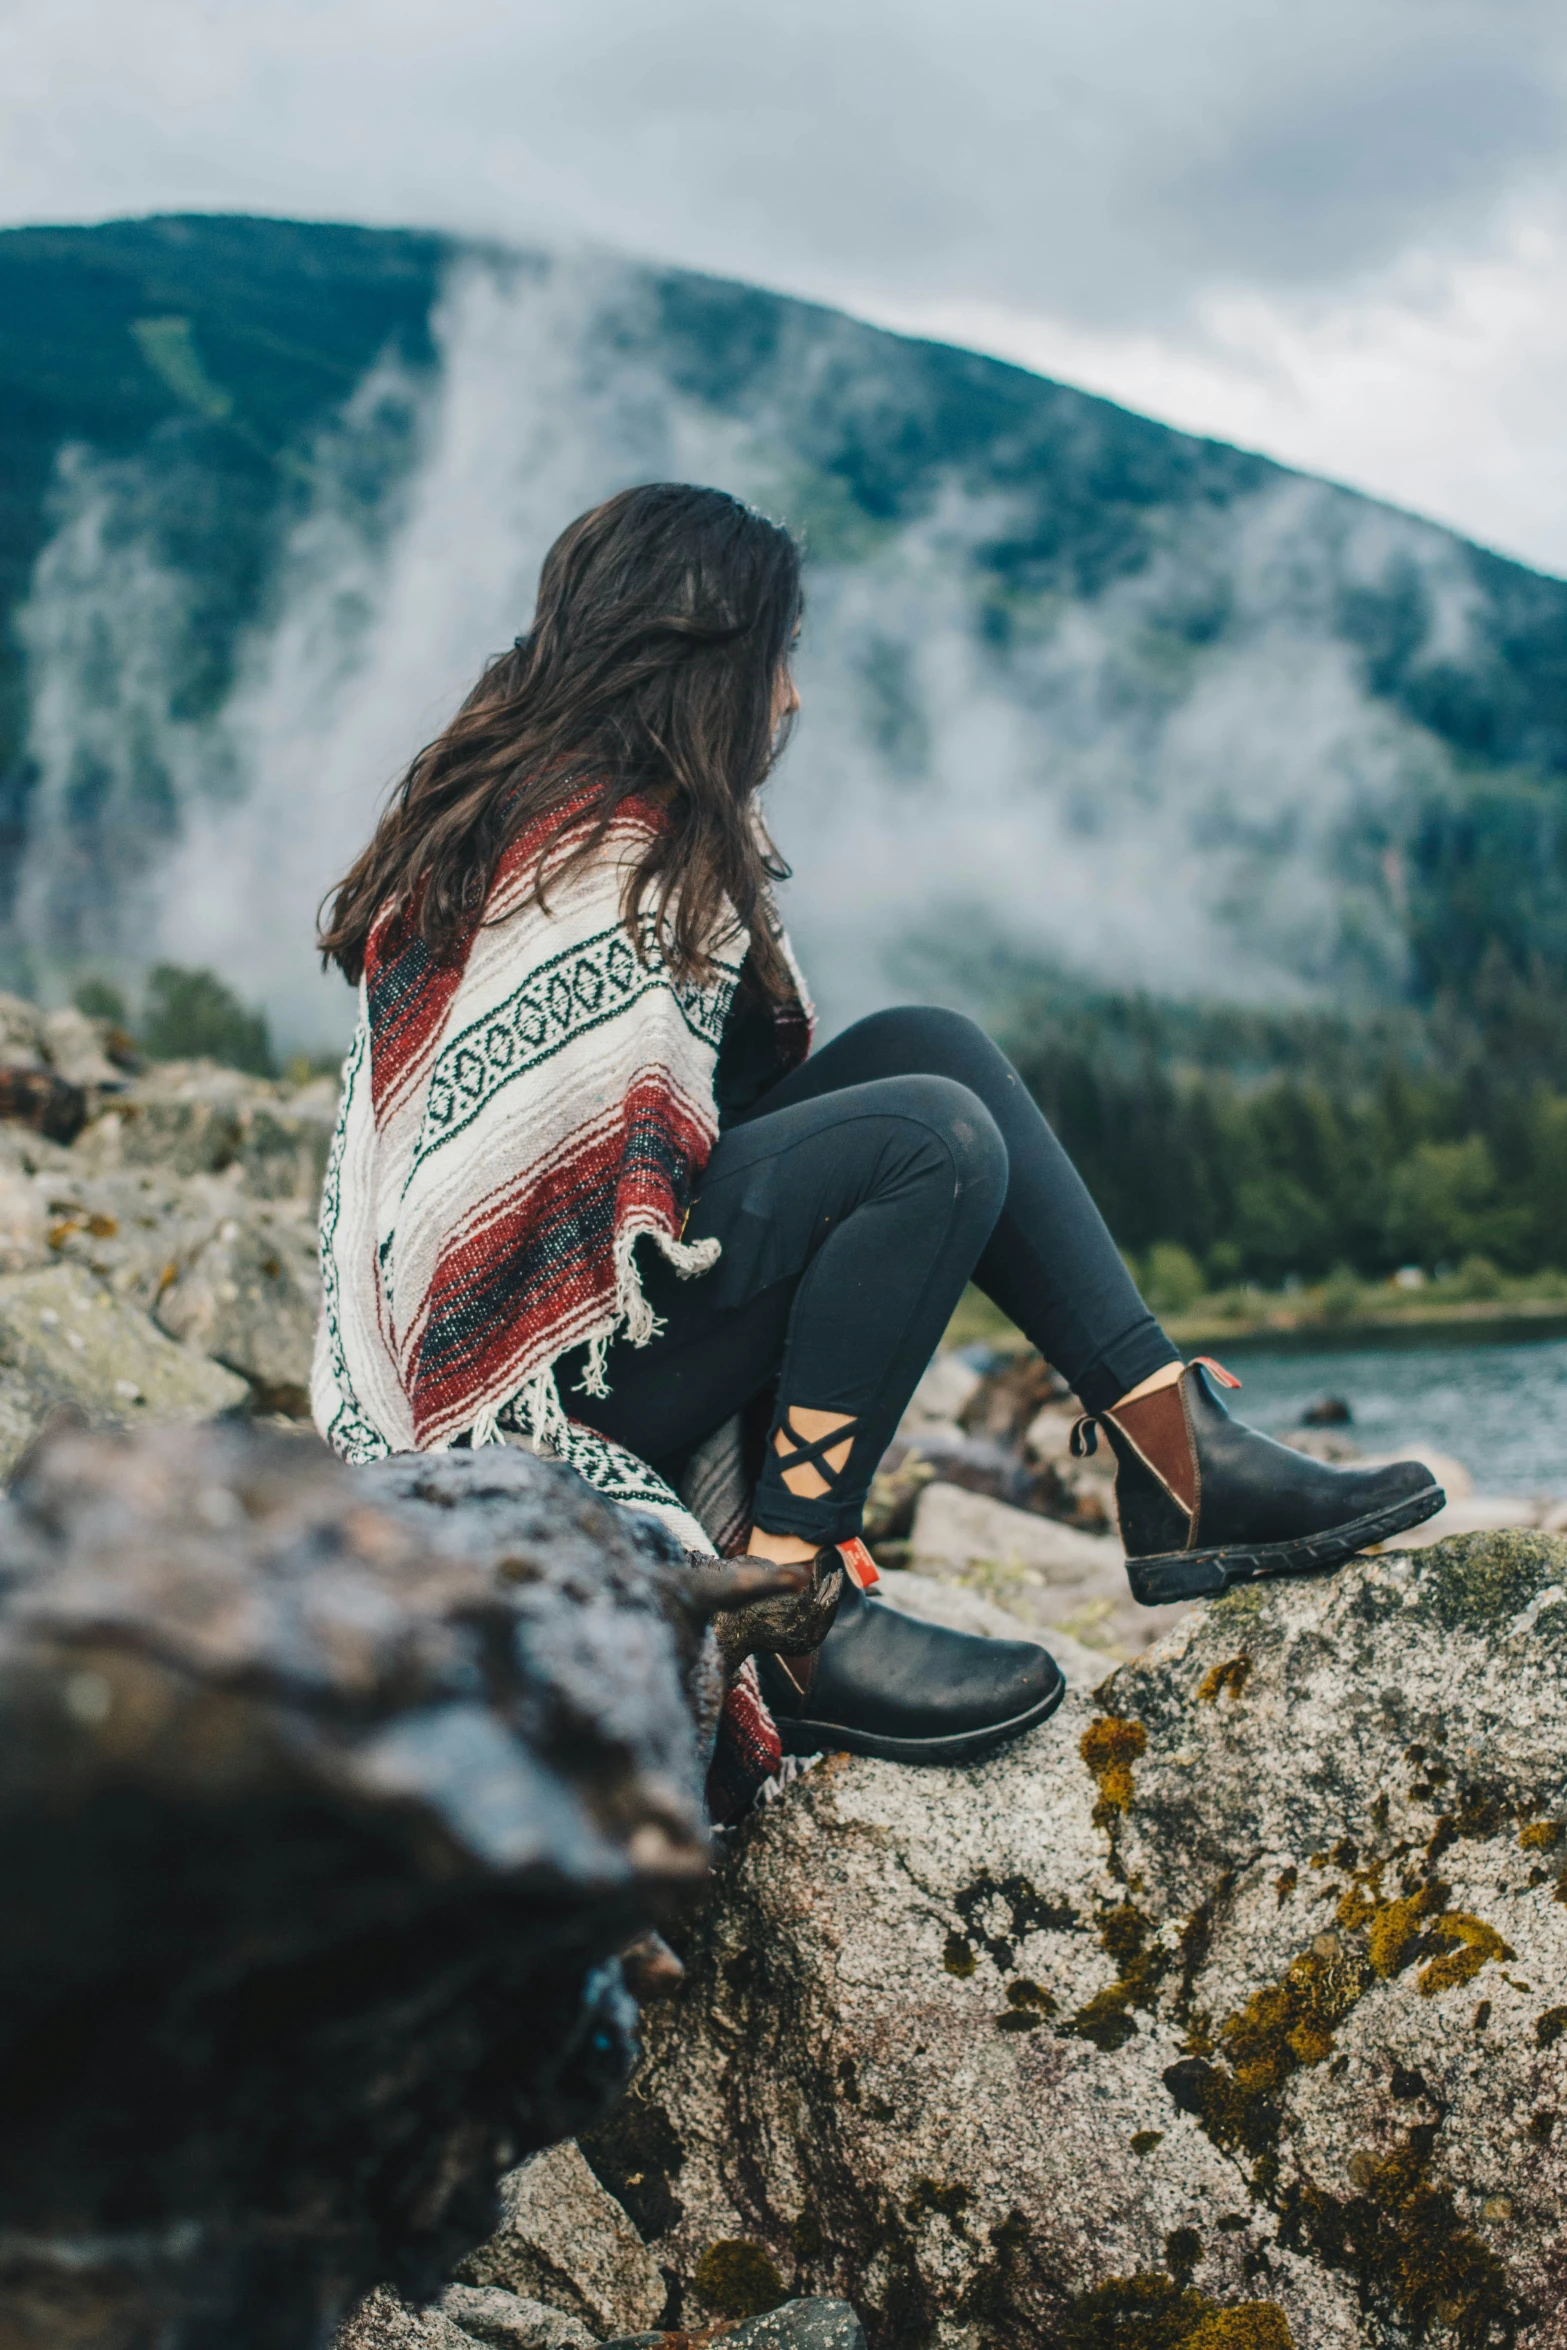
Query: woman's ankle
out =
(1165, 1376)
(786, 1549)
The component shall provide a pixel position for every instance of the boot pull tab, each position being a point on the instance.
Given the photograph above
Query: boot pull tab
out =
(1085, 1436)
(1224, 1377)
(858, 1563)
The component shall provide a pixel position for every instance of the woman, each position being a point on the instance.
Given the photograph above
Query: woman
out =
(592, 1189)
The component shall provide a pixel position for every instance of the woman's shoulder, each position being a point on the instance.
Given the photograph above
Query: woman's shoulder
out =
(548, 851)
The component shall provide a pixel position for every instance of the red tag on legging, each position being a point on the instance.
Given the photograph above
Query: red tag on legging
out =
(857, 1559)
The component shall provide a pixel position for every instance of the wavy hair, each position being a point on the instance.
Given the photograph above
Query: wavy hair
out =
(664, 619)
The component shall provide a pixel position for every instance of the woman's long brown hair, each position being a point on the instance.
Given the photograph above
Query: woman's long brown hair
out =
(664, 619)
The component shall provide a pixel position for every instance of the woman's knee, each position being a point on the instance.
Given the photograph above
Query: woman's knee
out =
(945, 1108)
(914, 1038)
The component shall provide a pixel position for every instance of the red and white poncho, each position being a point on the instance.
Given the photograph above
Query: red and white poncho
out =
(515, 1118)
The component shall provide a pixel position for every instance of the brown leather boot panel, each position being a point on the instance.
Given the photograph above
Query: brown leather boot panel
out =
(1157, 1425)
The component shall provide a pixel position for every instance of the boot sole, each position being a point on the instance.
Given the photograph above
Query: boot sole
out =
(958, 1747)
(1202, 1574)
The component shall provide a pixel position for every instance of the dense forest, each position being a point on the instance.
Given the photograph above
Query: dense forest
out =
(1279, 1145)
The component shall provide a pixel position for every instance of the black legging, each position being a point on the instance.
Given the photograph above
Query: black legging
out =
(852, 1204)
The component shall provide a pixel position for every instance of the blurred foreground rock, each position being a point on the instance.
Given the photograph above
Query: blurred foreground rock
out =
(1228, 2011)
(326, 1799)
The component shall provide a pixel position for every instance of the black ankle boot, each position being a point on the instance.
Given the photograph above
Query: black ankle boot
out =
(1205, 1502)
(886, 1684)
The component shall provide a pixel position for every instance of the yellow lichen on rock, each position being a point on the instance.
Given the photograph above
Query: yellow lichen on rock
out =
(1475, 1941)
(1292, 2019)
(1109, 1746)
(1156, 2309)
(1232, 1675)
(1390, 1927)
(1250, 2325)
(737, 2278)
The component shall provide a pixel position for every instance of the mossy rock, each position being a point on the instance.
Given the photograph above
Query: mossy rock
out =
(1225, 2007)
(1476, 1580)
(738, 2279)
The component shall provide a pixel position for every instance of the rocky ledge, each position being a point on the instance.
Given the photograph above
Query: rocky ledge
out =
(1226, 2012)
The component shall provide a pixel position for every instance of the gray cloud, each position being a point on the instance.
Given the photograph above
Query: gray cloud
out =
(1338, 178)
(1103, 158)
(1087, 184)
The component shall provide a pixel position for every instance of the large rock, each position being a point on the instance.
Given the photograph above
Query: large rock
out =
(56, 1068)
(229, 1275)
(195, 1118)
(135, 1232)
(65, 1342)
(1053, 1576)
(1229, 2008)
(249, 1297)
(75, 1046)
(512, 2321)
(801, 2325)
(79, 1050)
(24, 1219)
(464, 2315)
(327, 1798)
(385, 2321)
(564, 2240)
(22, 1043)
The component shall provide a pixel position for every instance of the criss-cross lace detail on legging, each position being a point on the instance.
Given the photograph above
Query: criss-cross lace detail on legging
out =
(807, 1453)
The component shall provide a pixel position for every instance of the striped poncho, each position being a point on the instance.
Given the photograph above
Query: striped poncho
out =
(515, 1119)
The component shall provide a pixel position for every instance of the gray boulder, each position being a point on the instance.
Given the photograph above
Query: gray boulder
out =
(1052, 1576)
(284, 1142)
(21, 1034)
(512, 2322)
(133, 1231)
(74, 1045)
(228, 1275)
(565, 2241)
(24, 1219)
(801, 2325)
(248, 1296)
(384, 2321)
(1229, 2008)
(66, 1342)
(795, 2325)
(195, 1118)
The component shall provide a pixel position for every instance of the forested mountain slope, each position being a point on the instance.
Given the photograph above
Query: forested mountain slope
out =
(1084, 695)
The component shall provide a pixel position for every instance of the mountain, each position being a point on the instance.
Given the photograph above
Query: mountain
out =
(1081, 692)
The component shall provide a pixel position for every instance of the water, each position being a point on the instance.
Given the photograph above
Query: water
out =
(1501, 1410)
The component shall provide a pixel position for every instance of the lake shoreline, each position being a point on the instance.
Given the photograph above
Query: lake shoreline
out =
(1307, 1333)
(1284, 1324)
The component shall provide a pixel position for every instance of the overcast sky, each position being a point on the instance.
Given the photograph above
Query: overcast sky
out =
(1336, 231)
